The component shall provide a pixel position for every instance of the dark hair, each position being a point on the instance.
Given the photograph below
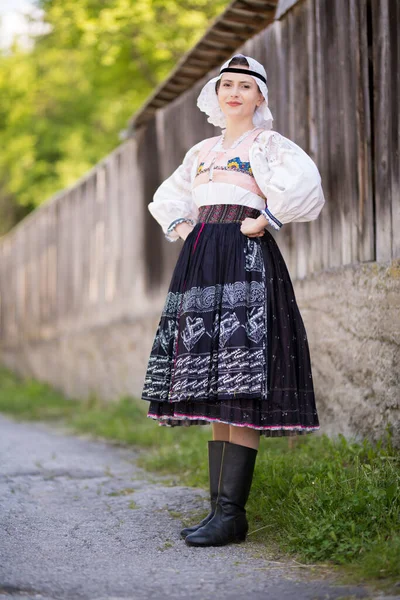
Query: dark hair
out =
(236, 61)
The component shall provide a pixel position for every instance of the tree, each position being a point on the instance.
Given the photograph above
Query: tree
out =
(64, 102)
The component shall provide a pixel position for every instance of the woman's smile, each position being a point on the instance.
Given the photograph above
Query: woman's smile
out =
(238, 97)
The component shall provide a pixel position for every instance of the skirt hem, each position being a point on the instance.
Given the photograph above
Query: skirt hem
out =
(206, 420)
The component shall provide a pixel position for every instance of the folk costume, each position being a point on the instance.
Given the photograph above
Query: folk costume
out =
(231, 346)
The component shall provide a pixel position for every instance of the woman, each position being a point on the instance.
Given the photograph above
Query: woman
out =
(231, 348)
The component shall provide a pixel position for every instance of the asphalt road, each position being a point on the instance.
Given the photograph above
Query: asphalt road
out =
(79, 520)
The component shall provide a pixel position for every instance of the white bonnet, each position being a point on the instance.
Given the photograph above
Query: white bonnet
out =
(208, 99)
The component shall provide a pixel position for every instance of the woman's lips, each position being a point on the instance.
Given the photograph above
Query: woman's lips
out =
(234, 103)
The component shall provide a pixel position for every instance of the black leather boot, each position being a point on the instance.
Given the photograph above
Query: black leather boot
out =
(214, 466)
(229, 523)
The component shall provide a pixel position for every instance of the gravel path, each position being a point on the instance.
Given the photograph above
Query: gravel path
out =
(79, 519)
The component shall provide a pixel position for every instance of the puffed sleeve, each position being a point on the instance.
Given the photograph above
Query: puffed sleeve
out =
(173, 202)
(288, 177)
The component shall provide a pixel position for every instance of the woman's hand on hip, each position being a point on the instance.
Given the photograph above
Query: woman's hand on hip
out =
(183, 230)
(252, 227)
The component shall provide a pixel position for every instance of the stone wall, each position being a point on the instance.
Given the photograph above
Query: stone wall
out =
(352, 319)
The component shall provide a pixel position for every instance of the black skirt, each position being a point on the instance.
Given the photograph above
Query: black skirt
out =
(231, 346)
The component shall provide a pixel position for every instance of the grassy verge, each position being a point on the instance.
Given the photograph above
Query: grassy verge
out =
(322, 500)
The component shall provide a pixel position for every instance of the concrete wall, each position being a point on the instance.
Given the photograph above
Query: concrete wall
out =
(106, 360)
(352, 319)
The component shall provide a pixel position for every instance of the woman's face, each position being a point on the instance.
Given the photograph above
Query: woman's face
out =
(238, 95)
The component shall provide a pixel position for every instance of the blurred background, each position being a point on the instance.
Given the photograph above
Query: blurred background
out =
(71, 74)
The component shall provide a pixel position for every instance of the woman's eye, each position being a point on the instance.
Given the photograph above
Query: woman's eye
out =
(247, 87)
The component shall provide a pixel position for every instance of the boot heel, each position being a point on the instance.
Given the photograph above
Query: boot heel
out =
(240, 538)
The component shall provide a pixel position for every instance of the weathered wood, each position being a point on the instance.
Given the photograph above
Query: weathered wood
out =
(333, 76)
(315, 263)
(298, 115)
(322, 133)
(382, 133)
(394, 108)
(365, 247)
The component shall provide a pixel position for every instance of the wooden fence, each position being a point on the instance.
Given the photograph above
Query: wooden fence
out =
(333, 75)
(94, 252)
(78, 256)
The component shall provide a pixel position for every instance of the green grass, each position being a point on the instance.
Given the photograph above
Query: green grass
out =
(322, 500)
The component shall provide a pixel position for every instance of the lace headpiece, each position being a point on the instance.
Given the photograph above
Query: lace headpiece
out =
(208, 99)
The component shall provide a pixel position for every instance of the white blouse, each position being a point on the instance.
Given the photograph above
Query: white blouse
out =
(286, 175)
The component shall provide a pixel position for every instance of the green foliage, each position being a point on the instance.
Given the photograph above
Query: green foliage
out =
(29, 399)
(335, 499)
(64, 103)
(319, 498)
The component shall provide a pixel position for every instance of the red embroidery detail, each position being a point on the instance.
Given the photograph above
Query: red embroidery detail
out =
(226, 213)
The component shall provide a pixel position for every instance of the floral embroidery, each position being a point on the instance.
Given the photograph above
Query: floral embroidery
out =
(234, 164)
(199, 168)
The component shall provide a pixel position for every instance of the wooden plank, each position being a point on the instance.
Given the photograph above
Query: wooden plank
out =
(33, 243)
(298, 108)
(323, 153)
(346, 116)
(50, 264)
(20, 282)
(114, 250)
(229, 39)
(76, 251)
(70, 243)
(130, 195)
(86, 204)
(260, 6)
(394, 29)
(333, 126)
(41, 226)
(364, 222)
(61, 273)
(315, 227)
(235, 21)
(98, 239)
(382, 131)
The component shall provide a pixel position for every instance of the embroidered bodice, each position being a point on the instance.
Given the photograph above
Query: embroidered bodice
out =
(228, 166)
(262, 169)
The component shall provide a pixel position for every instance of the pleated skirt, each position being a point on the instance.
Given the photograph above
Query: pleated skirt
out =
(231, 346)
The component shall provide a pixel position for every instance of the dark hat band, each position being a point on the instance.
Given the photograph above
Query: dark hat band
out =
(244, 71)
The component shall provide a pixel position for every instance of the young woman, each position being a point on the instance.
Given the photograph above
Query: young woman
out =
(231, 348)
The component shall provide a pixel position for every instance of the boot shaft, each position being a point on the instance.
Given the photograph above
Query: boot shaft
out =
(236, 475)
(215, 448)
